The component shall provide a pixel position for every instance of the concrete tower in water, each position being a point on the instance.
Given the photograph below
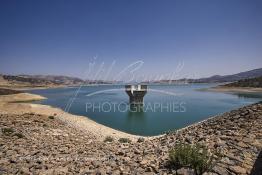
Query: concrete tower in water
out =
(136, 93)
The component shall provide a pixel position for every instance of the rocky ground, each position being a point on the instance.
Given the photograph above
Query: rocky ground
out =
(40, 144)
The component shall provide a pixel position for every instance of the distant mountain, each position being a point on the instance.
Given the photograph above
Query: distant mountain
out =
(216, 78)
(55, 79)
(20, 81)
(230, 78)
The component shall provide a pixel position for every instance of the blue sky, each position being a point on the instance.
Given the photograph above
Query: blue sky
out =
(62, 37)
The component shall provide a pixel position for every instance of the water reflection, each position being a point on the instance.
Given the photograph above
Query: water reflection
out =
(136, 111)
(136, 108)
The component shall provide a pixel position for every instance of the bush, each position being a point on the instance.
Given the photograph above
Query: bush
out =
(51, 117)
(109, 139)
(7, 131)
(196, 157)
(19, 135)
(38, 121)
(180, 156)
(124, 140)
(11, 132)
(140, 139)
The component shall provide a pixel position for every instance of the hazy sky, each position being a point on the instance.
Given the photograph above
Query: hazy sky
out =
(196, 38)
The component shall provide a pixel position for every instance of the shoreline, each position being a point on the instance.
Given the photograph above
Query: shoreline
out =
(82, 123)
(27, 88)
(232, 89)
(218, 88)
(17, 101)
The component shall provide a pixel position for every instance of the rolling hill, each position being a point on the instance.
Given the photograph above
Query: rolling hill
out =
(216, 78)
(230, 78)
(249, 82)
(32, 81)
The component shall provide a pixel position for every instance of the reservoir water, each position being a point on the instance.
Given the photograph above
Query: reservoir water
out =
(166, 107)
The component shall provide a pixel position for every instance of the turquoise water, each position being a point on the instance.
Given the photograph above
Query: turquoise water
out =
(176, 106)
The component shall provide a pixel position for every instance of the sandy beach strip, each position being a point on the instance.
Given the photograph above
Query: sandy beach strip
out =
(233, 89)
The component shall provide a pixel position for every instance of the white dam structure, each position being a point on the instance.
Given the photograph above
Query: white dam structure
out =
(136, 93)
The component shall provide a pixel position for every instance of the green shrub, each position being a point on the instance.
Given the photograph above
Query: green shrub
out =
(124, 140)
(196, 157)
(51, 117)
(109, 139)
(19, 135)
(11, 132)
(38, 121)
(140, 139)
(180, 156)
(7, 131)
(202, 161)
